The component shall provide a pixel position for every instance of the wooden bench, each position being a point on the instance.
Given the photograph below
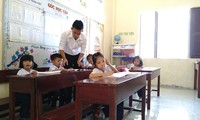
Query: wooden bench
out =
(4, 102)
(66, 112)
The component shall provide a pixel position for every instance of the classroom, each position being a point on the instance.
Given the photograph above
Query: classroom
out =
(162, 33)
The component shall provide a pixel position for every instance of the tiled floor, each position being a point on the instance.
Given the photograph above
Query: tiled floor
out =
(173, 104)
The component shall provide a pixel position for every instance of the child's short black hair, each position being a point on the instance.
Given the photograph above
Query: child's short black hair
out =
(25, 58)
(89, 55)
(140, 59)
(78, 24)
(56, 55)
(95, 55)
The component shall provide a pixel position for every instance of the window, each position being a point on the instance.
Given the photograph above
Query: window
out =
(169, 37)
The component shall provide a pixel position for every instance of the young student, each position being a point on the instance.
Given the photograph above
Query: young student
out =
(89, 63)
(26, 64)
(56, 60)
(64, 94)
(137, 63)
(103, 67)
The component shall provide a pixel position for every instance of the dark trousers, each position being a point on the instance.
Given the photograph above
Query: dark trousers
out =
(24, 100)
(139, 92)
(120, 110)
(72, 61)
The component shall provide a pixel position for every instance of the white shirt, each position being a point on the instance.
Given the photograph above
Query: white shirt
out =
(129, 66)
(24, 72)
(87, 65)
(72, 46)
(106, 69)
(53, 67)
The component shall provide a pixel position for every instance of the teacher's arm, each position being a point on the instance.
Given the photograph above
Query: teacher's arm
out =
(83, 48)
(63, 43)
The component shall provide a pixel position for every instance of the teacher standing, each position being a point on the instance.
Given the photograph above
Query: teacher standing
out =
(73, 45)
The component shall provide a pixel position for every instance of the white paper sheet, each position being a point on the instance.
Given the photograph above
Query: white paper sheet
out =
(50, 72)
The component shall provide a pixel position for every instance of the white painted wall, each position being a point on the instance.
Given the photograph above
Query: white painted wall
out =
(177, 72)
(174, 72)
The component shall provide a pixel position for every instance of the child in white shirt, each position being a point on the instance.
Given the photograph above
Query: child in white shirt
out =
(26, 64)
(89, 63)
(137, 64)
(65, 94)
(104, 68)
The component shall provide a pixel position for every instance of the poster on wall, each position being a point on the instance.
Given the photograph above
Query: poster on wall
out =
(26, 24)
(40, 53)
(56, 24)
(95, 37)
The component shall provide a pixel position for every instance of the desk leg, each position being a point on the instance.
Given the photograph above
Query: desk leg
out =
(112, 111)
(38, 106)
(11, 106)
(143, 102)
(149, 94)
(198, 80)
(158, 86)
(195, 79)
(130, 101)
(32, 107)
(78, 105)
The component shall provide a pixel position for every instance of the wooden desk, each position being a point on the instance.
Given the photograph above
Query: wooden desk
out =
(152, 72)
(197, 77)
(38, 85)
(109, 91)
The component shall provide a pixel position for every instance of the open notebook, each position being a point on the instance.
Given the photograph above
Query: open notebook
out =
(121, 74)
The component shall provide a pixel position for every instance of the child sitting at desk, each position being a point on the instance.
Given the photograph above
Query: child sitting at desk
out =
(26, 64)
(56, 60)
(104, 68)
(89, 63)
(137, 63)
(64, 94)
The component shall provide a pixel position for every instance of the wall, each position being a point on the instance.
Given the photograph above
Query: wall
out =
(108, 26)
(128, 11)
(3, 87)
(176, 72)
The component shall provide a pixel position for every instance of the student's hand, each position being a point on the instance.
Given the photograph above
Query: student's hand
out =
(80, 64)
(34, 72)
(61, 69)
(107, 62)
(108, 73)
(65, 61)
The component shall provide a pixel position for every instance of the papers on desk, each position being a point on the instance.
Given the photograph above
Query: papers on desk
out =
(119, 74)
(50, 72)
(122, 74)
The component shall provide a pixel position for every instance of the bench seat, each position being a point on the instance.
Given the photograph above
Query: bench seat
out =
(66, 112)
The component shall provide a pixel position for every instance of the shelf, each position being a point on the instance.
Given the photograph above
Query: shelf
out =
(122, 54)
(119, 56)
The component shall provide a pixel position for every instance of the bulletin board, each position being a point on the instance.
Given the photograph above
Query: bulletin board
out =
(96, 36)
(34, 27)
(41, 54)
